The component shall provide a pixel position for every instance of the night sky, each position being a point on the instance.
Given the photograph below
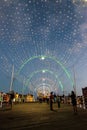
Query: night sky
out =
(46, 43)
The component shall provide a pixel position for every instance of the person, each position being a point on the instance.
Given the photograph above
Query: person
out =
(51, 101)
(11, 97)
(1, 99)
(58, 101)
(74, 102)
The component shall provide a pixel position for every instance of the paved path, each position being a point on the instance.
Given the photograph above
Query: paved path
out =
(37, 116)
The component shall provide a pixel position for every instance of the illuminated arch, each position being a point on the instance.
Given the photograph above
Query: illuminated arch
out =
(45, 79)
(45, 91)
(43, 57)
(51, 84)
(38, 71)
(42, 70)
(43, 84)
(39, 86)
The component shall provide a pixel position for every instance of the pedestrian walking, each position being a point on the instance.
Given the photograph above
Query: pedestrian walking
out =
(74, 102)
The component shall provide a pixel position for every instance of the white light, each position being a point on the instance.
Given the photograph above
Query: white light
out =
(42, 58)
(43, 71)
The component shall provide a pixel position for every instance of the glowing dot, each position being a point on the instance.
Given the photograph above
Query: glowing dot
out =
(43, 71)
(42, 58)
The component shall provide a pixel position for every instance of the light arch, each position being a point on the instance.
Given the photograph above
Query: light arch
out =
(50, 57)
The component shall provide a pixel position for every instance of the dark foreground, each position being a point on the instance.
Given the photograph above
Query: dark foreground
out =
(37, 116)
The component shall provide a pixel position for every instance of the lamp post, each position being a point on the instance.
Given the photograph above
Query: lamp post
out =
(12, 78)
(74, 87)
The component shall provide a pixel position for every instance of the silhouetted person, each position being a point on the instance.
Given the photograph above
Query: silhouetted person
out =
(74, 102)
(11, 99)
(58, 101)
(51, 101)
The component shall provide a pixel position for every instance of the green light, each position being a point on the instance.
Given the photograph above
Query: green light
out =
(43, 57)
(35, 72)
(38, 71)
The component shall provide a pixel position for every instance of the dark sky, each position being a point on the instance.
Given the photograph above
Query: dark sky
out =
(46, 42)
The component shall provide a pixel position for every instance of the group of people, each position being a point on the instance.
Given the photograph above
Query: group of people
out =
(73, 101)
